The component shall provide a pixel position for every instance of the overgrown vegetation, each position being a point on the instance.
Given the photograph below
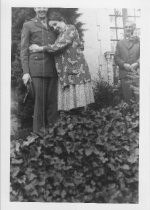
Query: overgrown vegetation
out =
(86, 157)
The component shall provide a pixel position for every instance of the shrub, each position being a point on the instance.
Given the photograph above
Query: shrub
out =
(105, 94)
(86, 157)
(22, 111)
(16, 73)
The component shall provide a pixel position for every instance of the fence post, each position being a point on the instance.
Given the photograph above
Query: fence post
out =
(109, 56)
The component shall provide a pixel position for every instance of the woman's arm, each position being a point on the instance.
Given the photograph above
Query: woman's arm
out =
(35, 48)
(62, 41)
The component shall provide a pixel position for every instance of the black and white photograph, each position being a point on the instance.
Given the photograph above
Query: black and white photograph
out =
(74, 105)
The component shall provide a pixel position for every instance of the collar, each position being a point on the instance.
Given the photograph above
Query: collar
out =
(43, 20)
(37, 20)
(133, 38)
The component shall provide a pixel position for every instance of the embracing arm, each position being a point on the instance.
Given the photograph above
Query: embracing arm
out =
(62, 41)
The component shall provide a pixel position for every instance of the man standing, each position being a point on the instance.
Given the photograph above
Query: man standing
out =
(127, 57)
(40, 68)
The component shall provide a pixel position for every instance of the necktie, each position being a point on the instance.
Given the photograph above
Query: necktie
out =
(44, 23)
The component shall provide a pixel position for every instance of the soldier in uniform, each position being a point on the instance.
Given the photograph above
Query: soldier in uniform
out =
(40, 68)
(127, 57)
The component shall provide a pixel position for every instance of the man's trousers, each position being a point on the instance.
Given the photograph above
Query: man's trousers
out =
(130, 88)
(45, 103)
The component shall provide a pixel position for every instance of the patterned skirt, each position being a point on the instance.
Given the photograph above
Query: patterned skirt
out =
(75, 96)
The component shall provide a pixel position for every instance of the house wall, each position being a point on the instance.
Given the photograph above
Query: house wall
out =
(97, 39)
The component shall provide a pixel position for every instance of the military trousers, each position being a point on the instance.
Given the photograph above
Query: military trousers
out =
(45, 102)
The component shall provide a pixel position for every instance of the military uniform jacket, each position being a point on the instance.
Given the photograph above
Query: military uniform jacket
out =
(71, 65)
(127, 51)
(37, 64)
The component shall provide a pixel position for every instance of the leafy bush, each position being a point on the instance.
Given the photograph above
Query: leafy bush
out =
(21, 111)
(87, 157)
(105, 94)
(16, 72)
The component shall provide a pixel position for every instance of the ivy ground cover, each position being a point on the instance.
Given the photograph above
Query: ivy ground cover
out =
(91, 157)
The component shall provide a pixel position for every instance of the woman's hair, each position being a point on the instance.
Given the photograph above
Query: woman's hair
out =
(56, 16)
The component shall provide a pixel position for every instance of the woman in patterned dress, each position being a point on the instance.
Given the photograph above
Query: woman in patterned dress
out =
(74, 79)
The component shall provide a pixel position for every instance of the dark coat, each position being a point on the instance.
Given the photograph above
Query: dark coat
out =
(37, 64)
(127, 51)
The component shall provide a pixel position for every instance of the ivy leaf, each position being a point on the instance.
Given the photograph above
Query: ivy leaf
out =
(56, 193)
(63, 193)
(70, 126)
(39, 151)
(16, 161)
(39, 199)
(89, 189)
(30, 140)
(17, 147)
(68, 184)
(96, 151)
(112, 187)
(22, 180)
(80, 151)
(71, 134)
(125, 167)
(99, 172)
(88, 151)
(42, 182)
(49, 198)
(99, 140)
(78, 181)
(136, 151)
(32, 176)
(34, 193)
(95, 164)
(127, 148)
(58, 150)
(61, 132)
(133, 159)
(15, 171)
(59, 177)
(111, 166)
(29, 187)
(88, 198)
